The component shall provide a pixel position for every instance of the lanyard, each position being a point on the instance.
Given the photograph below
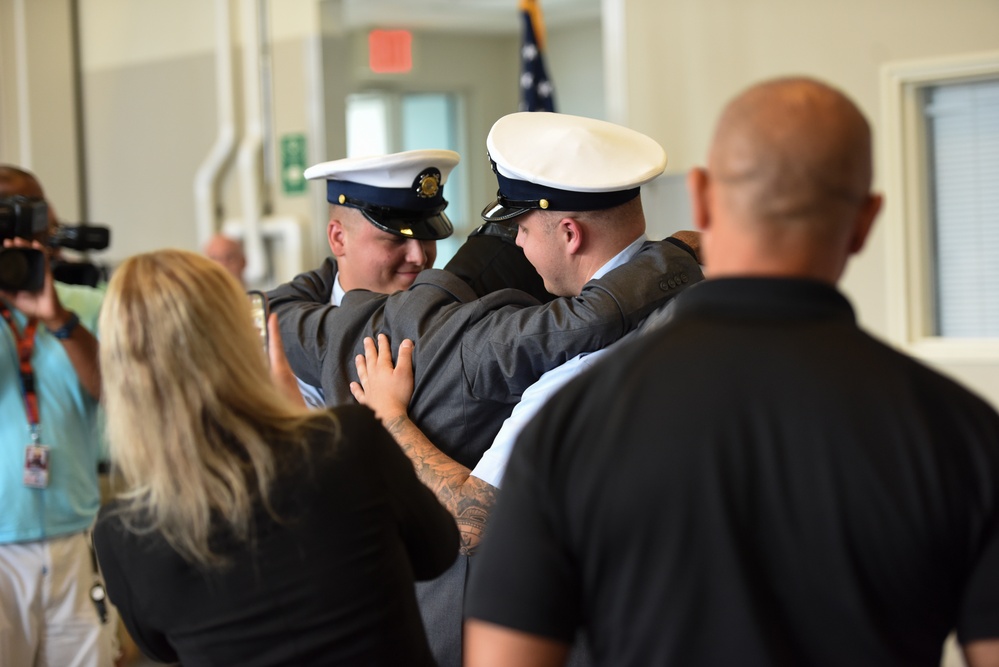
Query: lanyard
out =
(25, 347)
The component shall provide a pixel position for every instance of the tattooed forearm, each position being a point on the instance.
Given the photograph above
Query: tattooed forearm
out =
(469, 499)
(396, 425)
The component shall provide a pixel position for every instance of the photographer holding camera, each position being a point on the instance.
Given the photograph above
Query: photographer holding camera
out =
(52, 610)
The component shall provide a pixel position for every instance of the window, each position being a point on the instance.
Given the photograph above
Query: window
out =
(962, 130)
(941, 148)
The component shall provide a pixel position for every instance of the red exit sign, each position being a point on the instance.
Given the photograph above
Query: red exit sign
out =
(390, 51)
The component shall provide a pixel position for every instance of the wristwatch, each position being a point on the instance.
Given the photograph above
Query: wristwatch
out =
(66, 330)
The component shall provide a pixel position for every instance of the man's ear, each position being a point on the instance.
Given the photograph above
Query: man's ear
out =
(864, 222)
(336, 234)
(697, 188)
(572, 233)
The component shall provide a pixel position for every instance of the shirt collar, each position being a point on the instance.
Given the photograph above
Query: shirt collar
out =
(764, 297)
(338, 291)
(622, 257)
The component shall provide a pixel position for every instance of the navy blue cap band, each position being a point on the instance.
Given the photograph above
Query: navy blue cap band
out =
(515, 193)
(404, 212)
(398, 198)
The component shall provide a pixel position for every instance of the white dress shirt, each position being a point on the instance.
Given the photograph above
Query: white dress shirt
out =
(313, 396)
(492, 465)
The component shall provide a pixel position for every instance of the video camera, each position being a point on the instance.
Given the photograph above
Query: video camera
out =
(24, 268)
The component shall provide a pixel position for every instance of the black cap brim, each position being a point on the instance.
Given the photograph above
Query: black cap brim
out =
(428, 228)
(497, 212)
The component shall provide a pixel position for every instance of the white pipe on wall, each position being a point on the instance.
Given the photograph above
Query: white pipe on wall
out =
(23, 101)
(284, 232)
(248, 159)
(251, 226)
(206, 180)
(289, 230)
(316, 107)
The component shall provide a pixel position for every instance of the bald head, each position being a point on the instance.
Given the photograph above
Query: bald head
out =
(16, 181)
(229, 253)
(790, 172)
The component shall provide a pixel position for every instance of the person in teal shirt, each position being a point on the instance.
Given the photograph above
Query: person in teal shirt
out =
(51, 446)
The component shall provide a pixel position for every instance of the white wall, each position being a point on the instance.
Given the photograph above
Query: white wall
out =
(575, 57)
(683, 59)
(149, 107)
(149, 80)
(38, 109)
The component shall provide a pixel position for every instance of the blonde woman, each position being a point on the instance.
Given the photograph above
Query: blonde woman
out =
(251, 531)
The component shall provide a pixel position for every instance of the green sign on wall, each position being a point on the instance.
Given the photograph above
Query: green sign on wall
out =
(293, 163)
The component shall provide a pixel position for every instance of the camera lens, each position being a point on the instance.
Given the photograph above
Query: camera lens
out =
(21, 269)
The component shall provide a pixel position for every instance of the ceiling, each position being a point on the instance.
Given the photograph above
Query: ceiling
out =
(466, 15)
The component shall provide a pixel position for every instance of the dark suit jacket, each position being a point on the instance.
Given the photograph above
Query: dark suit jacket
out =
(473, 357)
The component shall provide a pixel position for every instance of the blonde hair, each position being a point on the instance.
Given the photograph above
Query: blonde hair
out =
(196, 426)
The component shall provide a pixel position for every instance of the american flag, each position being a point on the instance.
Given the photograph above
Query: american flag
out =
(536, 91)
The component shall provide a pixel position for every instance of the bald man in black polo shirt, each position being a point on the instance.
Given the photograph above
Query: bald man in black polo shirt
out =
(759, 482)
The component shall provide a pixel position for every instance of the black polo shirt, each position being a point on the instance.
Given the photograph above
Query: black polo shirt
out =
(758, 483)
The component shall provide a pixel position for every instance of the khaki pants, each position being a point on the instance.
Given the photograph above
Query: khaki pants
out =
(46, 615)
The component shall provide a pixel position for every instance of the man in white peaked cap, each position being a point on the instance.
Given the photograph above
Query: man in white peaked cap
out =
(474, 359)
(386, 216)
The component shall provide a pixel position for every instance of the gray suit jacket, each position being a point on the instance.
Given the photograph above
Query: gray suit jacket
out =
(473, 356)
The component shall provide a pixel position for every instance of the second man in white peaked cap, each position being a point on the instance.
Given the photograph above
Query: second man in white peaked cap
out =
(386, 216)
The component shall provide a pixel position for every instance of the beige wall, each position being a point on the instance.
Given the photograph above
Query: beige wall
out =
(38, 110)
(149, 103)
(684, 58)
(149, 78)
(575, 55)
(148, 127)
(148, 73)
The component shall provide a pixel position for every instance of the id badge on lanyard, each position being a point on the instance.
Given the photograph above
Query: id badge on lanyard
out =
(36, 465)
(36, 455)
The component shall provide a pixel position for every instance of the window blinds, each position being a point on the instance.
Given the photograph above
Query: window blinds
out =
(962, 120)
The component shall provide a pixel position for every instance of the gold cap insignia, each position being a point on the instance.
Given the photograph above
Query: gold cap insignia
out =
(428, 183)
